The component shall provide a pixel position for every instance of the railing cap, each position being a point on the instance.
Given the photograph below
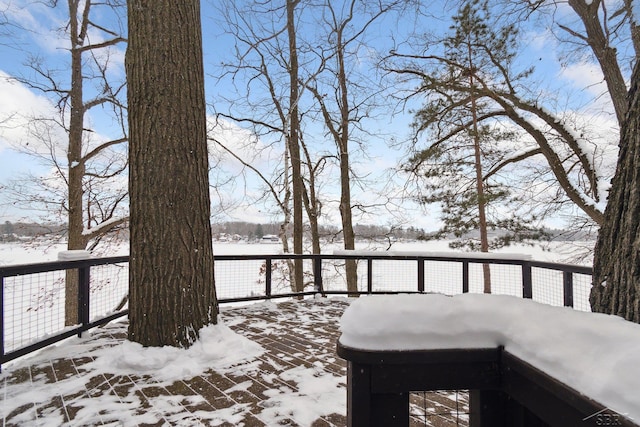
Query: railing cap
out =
(73, 255)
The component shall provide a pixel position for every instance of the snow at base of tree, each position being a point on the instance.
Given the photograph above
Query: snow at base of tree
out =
(595, 354)
(218, 347)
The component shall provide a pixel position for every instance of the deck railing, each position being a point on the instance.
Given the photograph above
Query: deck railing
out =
(32, 296)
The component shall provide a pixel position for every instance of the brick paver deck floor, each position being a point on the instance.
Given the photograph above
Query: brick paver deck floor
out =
(294, 334)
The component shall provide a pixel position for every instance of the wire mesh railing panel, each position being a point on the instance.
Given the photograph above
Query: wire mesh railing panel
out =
(504, 279)
(334, 276)
(581, 290)
(281, 278)
(501, 281)
(444, 408)
(281, 282)
(108, 289)
(443, 277)
(33, 302)
(33, 308)
(547, 286)
(395, 275)
(363, 275)
(241, 278)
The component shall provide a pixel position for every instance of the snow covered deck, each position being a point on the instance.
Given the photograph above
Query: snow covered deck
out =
(279, 368)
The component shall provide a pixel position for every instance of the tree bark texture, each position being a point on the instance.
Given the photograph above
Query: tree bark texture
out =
(348, 234)
(311, 203)
(75, 237)
(477, 154)
(616, 268)
(604, 53)
(171, 283)
(293, 141)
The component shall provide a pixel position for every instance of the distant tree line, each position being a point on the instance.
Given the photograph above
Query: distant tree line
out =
(253, 230)
(13, 231)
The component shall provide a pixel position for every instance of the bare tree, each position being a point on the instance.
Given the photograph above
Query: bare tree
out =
(293, 142)
(85, 185)
(343, 97)
(312, 202)
(268, 58)
(278, 189)
(612, 36)
(596, 35)
(171, 281)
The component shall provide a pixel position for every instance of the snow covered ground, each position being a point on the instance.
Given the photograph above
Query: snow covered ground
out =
(260, 376)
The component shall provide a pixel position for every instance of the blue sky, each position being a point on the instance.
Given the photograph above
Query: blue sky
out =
(41, 36)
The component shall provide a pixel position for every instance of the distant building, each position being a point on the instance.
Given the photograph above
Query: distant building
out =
(270, 238)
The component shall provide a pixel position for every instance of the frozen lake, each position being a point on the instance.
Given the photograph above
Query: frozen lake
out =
(26, 253)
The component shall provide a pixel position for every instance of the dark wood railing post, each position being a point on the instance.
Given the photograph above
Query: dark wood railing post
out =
(567, 286)
(84, 278)
(369, 275)
(487, 408)
(420, 275)
(365, 408)
(465, 276)
(317, 274)
(1, 319)
(527, 286)
(267, 277)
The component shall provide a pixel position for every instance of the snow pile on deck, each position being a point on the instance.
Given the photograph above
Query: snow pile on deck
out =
(218, 347)
(595, 354)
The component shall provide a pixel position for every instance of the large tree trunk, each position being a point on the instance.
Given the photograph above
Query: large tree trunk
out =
(171, 284)
(312, 205)
(75, 237)
(294, 146)
(347, 219)
(477, 154)
(616, 268)
(345, 166)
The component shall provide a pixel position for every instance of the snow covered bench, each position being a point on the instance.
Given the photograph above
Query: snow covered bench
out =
(526, 364)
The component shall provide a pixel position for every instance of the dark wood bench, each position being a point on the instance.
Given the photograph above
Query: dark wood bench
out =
(504, 390)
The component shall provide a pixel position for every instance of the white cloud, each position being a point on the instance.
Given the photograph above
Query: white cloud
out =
(244, 144)
(18, 106)
(541, 41)
(43, 23)
(585, 75)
